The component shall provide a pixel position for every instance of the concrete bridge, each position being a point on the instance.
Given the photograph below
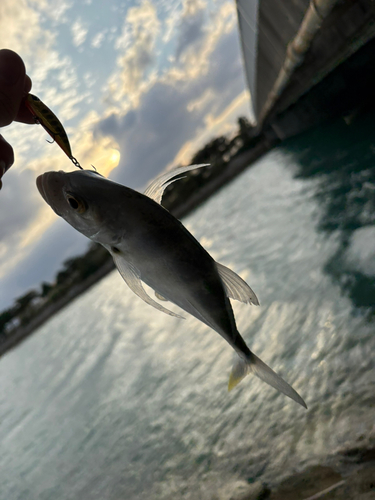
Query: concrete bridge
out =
(307, 60)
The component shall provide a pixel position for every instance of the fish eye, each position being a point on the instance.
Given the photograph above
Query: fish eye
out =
(76, 204)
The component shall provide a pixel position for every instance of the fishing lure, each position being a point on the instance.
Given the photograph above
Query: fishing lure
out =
(51, 124)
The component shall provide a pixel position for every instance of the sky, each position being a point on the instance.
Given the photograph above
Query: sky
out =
(138, 85)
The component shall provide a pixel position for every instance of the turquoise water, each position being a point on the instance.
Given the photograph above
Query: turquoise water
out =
(112, 399)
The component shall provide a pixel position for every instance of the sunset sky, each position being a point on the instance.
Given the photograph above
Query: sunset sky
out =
(138, 86)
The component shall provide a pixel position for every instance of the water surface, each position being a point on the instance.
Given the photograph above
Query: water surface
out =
(112, 399)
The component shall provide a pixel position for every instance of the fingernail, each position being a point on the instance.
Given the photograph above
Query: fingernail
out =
(11, 69)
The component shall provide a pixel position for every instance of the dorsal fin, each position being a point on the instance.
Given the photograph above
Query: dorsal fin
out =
(157, 187)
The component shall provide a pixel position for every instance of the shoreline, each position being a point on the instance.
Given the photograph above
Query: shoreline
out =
(236, 166)
(23, 332)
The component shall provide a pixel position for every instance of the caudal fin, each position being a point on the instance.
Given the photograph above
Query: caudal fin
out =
(252, 364)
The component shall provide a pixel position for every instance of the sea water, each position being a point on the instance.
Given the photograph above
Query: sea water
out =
(111, 399)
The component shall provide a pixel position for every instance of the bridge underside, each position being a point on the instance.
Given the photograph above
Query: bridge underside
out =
(335, 72)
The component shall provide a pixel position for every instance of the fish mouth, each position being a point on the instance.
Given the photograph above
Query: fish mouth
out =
(50, 186)
(39, 185)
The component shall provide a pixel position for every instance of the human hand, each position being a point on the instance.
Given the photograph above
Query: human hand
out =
(14, 86)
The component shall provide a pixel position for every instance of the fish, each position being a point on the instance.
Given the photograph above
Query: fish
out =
(149, 245)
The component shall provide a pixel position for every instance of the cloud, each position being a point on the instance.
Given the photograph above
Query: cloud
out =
(28, 31)
(20, 28)
(175, 109)
(190, 28)
(151, 135)
(56, 11)
(195, 60)
(79, 33)
(215, 125)
(15, 212)
(98, 39)
(136, 46)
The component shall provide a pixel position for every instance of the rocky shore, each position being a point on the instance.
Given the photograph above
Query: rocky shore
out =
(348, 475)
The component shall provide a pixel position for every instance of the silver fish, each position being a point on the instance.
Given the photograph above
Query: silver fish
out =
(148, 244)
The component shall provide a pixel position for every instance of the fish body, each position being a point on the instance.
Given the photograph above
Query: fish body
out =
(148, 244)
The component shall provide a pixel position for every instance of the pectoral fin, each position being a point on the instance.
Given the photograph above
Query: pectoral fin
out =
(235, 287)
(160, 297)
(132, 279)
(157, 187)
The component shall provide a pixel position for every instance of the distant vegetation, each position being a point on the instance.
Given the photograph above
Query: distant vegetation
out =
(218, 152)
(34, 302)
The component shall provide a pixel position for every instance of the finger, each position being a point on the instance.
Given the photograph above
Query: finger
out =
(24, 115)
(12, 85)
(6, 156)
(27, 84)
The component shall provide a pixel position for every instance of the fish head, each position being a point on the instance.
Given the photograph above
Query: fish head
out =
(79, 197)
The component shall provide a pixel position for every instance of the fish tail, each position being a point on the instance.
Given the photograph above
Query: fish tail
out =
(252, 364)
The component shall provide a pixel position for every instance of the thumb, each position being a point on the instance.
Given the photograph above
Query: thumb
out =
(12, 82)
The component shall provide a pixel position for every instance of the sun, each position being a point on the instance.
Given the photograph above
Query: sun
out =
(115, 157)
(107, 161)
